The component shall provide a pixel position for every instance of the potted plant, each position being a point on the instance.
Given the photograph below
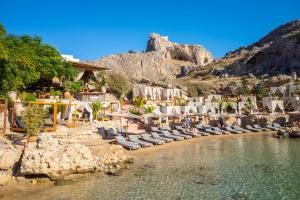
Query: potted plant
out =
(96, 107)
(58, 94)
(33, 118)
(52, 94)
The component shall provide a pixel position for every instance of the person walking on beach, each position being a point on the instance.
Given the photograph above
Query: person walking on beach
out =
(187, 122)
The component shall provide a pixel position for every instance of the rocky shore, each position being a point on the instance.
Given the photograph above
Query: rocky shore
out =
(50, 158)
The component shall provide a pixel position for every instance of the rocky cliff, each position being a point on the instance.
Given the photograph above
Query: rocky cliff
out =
(161, 60)
(276, 53)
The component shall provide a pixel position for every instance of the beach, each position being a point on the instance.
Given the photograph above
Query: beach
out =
(145, 160)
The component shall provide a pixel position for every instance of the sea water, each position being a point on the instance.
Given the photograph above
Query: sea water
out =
(247, 167)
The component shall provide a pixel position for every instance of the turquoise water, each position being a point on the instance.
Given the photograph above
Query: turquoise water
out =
(250, 167)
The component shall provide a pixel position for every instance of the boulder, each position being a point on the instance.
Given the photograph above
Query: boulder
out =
(47, 156)
(8, 155)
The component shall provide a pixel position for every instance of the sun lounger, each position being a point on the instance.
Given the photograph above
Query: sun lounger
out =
(152, 140)
(201, 130)
(165, 128)
(209, 130)
(169, 135)
(252, 129)
(177, 133)
(231, 130)
(277, 125)
(239, 129)
(273, 128)
(187, 132)
(259, 127)
(155, 135)
(127, 144)
(155, 129)
(220, 130)
(134, 138)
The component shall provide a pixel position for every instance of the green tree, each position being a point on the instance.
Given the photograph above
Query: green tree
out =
(259, 91)
(118, 84)
(25, 61)
(242, 90)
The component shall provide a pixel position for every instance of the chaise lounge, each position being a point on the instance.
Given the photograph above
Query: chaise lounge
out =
(147, 138)
(252, 129)
(167, 134)
(155, 135)
(185, 136)
(186, 132)
(127, 144)
(239, 129)
(231, 130)
(259, 127)
(135, 139)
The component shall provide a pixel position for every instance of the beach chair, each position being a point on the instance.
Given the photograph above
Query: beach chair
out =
(277, 125)
(135, 139)
(259, 127)
(155, 129)
(201, 130)
(167, 134)
(252, 129)
(231, 130)
(208, 129)
(239, 129)
(165, 128)
(187, 132)
(152, 140)
(127, 144)
(157, 136)
(273, 128)
(220, 130)
(177, 133)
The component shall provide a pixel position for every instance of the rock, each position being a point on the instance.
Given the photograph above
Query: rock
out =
(8, 155)
(276, 53)
(294, 134)
(193, 53)
(161, 60)
(47, 156)
(4, 179)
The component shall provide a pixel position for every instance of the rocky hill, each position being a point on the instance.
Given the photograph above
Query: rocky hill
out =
(276, 53)
(162, 60)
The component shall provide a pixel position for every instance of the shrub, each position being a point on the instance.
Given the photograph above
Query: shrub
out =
(34, 119)
(52, 92)
(149, 109)
(9, 100)
(72, 86)
(30, 97)
(192, 91)
(205, 60)
(119, 85)
(134, 111)
(96, 107)
(58, 93)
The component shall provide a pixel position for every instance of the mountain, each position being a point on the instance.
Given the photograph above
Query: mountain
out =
(162, 60)
(276, 53)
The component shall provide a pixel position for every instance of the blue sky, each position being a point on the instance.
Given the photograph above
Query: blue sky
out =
(91, 29)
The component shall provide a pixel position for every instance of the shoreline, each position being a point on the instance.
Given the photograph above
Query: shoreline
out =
(137, 154)
(28, 188)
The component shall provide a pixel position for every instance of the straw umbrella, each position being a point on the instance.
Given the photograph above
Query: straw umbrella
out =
(125, 115)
